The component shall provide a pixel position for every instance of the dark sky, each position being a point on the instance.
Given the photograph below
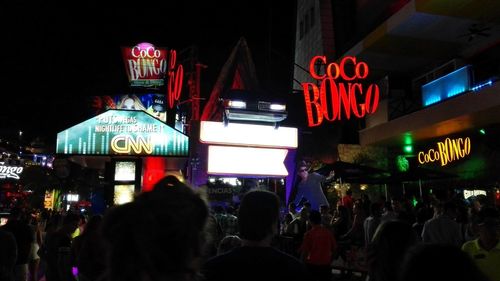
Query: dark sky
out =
(54, 57)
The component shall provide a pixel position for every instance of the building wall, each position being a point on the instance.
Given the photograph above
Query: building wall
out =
(373, 156)
(308, 39)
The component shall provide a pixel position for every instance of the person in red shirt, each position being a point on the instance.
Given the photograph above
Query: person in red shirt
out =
(318, 249)
(347, 200)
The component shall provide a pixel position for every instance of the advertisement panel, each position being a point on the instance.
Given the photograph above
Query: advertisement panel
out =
(122, 132)
(233, 160)
(153, 104)
(145, 64)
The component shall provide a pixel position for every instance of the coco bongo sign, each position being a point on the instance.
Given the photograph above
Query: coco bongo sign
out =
(447, 151)
(339, 92)
(148, 66)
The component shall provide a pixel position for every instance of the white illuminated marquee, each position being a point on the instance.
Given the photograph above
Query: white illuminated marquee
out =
(475, 192)
(248, 134)
(246, 161)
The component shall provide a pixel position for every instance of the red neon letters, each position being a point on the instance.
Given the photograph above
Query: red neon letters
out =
(174, 79)
(327, 101)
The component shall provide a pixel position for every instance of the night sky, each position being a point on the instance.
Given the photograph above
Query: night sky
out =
(54, 57)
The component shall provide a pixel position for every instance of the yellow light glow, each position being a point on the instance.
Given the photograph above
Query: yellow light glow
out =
(123, 194)
(277, 107)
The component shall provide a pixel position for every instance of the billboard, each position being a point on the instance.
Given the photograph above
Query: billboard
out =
(122, 132)
(247, 149)
(146, 65)
(153, 104)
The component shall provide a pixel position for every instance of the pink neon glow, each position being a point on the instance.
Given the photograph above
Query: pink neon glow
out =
(144, 45)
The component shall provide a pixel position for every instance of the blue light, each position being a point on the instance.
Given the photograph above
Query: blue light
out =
(431, 100)
(452, 84)
(482, 85)
(455, 91)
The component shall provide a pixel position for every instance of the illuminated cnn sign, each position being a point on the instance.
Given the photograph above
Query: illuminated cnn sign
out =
(226, 160)
(148, 66)
(332, 98)
(10, 172)
(123, 132)
(447, 151)
(248, 134)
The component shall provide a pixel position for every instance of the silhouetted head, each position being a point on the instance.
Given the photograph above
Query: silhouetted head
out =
(258, 215)
(158, 236)
(436, 262)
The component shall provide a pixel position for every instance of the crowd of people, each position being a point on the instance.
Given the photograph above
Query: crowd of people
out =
(172, 233)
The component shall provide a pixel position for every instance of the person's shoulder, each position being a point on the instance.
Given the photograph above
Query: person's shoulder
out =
(6, 235)
(285, 257)
(221, 260)
(470, 246)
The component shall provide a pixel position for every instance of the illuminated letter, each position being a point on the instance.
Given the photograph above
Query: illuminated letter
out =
(115, 146)
(345, 101)
(314, 101)
(175, 79)
(133, 69)
(148, 54)
(467, 145)
(354, 102)
(329, 70)
(371, 105)
(358, 70)
(431, 151)
(139, 144)
(459, 149)
(313, 63)
(421, 153)
(449, 146)
(342, 68)
(334, 97)
(134, 50)
(443, 153)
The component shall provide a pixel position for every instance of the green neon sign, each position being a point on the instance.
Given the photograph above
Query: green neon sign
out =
(122, 132)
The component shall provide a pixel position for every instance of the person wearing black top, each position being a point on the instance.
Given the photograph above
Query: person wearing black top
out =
(256, 260)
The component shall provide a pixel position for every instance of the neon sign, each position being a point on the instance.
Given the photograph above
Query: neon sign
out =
(333, 98)
(10, 172)
(148, 66)
(447, 151)
(127, 144)
(175, 78)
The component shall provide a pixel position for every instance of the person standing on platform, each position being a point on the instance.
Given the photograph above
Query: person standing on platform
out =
(310, 187)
